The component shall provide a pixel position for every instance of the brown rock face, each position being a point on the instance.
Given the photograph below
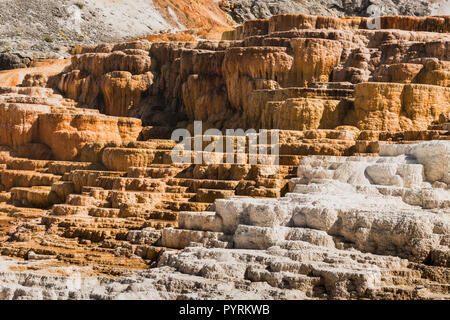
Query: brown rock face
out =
(386, 106)
(435, 72)
(402, 73)
(36, 115)
(19, 123)
(255, 28)
(430, 24)
(113, 80)
(302, 114)
(167, 84)
(205, 98)
(66, 134)
(78, 85)
(315, 59)
(286, 22)
(35, 80)
(243, 66)
(135, 61)
(122, 91)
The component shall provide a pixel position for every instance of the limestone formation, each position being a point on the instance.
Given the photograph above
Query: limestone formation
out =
(343, 61)
(94, 206)
(386, 106)
(37, 115)
(351, 227)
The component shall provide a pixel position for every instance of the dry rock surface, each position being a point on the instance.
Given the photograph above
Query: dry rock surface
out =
(351, 227)
(93, 207)
(33, 29)
(50, 29)
(241, 10)
(290, 72)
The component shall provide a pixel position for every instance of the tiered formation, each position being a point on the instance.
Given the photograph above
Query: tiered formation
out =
(105, 182)
(292, 72)
(352, 227)
(89, 179)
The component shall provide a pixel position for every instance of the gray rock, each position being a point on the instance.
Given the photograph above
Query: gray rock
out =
(241, 10)
(13, 61)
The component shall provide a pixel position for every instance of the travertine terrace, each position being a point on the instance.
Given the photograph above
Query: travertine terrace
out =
(358, 207)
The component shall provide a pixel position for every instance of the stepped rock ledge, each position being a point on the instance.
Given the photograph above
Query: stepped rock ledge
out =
(92, 206)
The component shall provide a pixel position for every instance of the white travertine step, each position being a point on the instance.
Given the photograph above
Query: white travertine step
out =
(202, 221)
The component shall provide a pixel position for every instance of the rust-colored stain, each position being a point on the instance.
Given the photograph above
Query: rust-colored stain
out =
(48, 67)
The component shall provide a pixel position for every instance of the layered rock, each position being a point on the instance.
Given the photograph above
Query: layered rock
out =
(351, 227)
(168, 84)
(36, 115)
(116, 78)
(315, 59)
(386, 106)
(354, 207)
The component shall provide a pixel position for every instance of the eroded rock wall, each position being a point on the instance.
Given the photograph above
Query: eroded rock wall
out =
(332, 59)
(36, 116)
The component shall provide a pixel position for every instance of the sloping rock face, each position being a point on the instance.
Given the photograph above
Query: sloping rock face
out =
(350, 227)
(39, 29)
(241, 10)
(339, 71)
